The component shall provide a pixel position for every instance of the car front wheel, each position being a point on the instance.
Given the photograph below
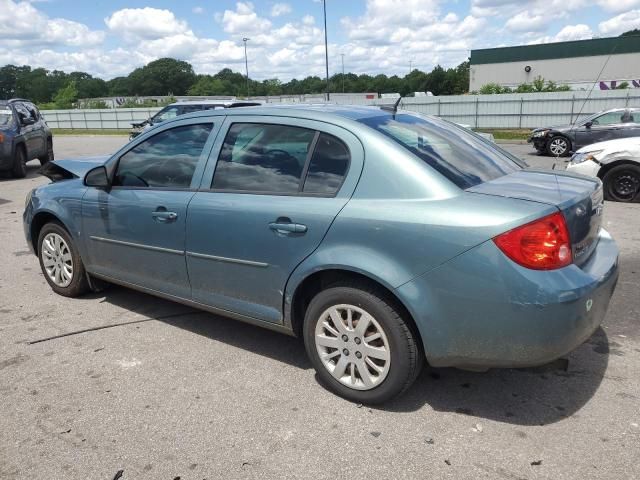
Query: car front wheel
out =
(359, 343)
(622, 183)
(60, 261)
(558, 146)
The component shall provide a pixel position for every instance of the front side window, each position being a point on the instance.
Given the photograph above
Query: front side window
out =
(328, 166)
(610, 118)
(452, 151)
(190, 109)
(166, 114)
(168, 159)
(263, 158)
(634, 116)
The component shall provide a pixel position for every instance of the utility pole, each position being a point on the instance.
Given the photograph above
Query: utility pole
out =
(410, 66)
(246, 63)
(342, 55)
(326, 48)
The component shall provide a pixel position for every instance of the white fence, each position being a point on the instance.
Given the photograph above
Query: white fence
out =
(99, 119)
(514, 110)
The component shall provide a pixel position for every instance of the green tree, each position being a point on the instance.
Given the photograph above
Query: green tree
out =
(66, 96)
(163, 76)
(207, 85)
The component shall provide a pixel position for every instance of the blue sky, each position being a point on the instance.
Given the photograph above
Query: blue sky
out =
(110, 38)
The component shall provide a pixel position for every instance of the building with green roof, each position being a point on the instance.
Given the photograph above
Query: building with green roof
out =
(577, 63)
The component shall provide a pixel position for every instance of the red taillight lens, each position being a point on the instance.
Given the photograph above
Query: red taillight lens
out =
(543, 244)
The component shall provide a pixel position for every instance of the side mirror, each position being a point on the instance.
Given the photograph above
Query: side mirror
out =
(97, 177)
(588, 124)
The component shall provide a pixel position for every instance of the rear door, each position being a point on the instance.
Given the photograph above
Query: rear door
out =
(278, 185)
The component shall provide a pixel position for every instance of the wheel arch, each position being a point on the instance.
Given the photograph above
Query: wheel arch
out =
(40, 219)
(608, 166)
(318, 280)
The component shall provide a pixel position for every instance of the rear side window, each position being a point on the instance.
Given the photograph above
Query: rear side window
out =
(167, 159)
(6, 116)
(261, 158)
(328, 166)
(455, 153)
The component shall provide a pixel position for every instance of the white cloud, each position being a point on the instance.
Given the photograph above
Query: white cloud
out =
(145, 23)
(621, 23)
(527, 22)
(568, 33)
(197, 10)
(617, 6)
(22, 25)
(243, 21)
(279, 9)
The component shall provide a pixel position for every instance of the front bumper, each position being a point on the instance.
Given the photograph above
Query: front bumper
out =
(588, 167)
(482, 310)
(540, 143)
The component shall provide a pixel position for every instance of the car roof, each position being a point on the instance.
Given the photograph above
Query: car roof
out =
(331, 113)
(212, 102)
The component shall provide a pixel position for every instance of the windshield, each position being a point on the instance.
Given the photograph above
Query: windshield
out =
(462, 156)
(166, 114)
(6, 117)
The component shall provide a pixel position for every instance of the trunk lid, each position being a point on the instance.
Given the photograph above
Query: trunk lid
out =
(579, 198)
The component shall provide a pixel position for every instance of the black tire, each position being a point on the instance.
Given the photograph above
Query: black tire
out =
(622, 183)
(78, 284)
(554, 142)
(48, 157)
(19, 169)
(406, 356)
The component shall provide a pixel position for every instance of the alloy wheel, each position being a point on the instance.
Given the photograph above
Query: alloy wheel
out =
(558, 146)
(352, 346)
(57, 259)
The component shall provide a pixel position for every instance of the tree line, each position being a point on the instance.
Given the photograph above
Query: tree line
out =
(168, 76)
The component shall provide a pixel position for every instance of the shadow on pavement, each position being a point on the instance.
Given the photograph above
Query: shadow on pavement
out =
(534, 396)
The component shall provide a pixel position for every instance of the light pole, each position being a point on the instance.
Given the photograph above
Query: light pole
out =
(342, 55)
(246, 63)
(410, 66)
(326, 48)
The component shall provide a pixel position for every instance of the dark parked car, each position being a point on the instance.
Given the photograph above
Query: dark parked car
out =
(182, 108)
(599, 127)
(380, 238)
(24, 135)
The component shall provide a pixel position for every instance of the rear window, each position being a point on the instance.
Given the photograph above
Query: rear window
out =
(6, 116)
(459, 155)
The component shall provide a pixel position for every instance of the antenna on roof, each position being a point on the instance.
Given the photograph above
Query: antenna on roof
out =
(615, 45)
(393, 109)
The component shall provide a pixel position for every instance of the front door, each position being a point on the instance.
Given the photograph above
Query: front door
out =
(135, 231)
(277, 187)
(607, 126)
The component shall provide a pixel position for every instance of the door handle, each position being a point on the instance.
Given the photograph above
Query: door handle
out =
(288, 227)
(163, 216)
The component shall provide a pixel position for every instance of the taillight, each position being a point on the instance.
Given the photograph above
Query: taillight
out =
(543, 244)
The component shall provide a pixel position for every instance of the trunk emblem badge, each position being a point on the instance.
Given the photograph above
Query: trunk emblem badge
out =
(589, 304)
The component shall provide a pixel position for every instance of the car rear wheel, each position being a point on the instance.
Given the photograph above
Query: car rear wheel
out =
(558, 146)
(19, 169)
(622, 183)
(60, 261)
(49, 155)
(359, 343)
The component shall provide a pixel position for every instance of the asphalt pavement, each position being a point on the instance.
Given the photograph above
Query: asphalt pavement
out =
(122, 381)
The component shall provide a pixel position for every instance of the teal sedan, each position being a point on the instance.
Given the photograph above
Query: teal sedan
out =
(382, 238)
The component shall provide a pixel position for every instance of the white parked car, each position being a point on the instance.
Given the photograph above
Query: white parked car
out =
(616, 163)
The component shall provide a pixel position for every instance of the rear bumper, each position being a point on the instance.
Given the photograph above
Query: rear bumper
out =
(6, 155)
(483, 310)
